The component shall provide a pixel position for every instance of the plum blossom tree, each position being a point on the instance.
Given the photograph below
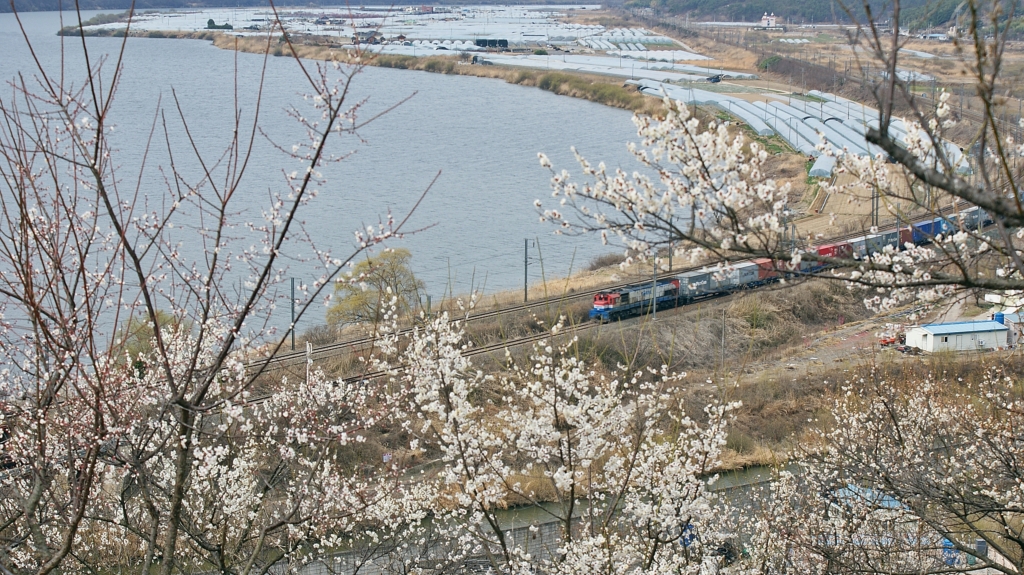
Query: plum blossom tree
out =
(912, 474)
(625, 471)
(909, 479)
(190, 464)
(704, 191)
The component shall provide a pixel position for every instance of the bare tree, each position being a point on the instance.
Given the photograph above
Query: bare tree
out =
(185, 465)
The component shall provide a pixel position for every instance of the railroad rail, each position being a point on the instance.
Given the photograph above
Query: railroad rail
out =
(330, 350)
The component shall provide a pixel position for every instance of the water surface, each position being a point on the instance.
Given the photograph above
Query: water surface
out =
(482, 135)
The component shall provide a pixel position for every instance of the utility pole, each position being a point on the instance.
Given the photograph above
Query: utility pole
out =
(293, 314)
(654, 289)
(526, 264)
(671, 233)
(723, 343)
(874, 207)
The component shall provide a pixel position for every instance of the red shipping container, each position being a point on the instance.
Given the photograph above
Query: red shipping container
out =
(906, 237)
(765, 269)
(840, 250)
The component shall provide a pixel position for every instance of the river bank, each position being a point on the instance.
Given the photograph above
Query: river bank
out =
(606, 90)
(591, 87)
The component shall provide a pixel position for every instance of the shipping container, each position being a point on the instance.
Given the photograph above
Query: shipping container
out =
(695, 284)
(766, 270)
(837, 250)
(906, 237)
(747, 273)
(984, 220)
(859, 247)
(923, 232)
(878, 242)
(969, 218)
(948, 226)
(641, 292)
(973, 218)
(724, 280)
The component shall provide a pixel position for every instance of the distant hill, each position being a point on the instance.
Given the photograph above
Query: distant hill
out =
(122, 5)
(116, 5)
(923, 12)
(917, 13)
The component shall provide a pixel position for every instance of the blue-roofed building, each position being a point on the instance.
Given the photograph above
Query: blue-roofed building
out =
(958, 336)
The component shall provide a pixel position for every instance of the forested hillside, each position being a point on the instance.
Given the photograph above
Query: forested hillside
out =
(927, 12)
(918, 13)
(121, 5)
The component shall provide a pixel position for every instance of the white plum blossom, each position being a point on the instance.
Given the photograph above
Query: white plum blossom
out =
(615, 449)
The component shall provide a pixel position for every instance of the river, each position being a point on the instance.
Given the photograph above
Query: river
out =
(481, 134)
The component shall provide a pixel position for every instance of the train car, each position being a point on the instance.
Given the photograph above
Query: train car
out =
(747, 273)
(969, 218)
(725, 280)
(837, 250)
(695, 285)
(859, 247)
(906, 237)
(690, 286)
(635, 299)
(864, 246)
(757, 272)
(877, 243)
(984, 220)
(972, 219)
(922, 233)
(767, 271)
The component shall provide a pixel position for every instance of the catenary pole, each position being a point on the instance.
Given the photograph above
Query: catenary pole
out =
(293, 314)
(723, 342)
(526, 263)
(654, 289)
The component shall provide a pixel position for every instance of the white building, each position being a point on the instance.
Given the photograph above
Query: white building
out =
(768, 21)
(958, 336)
(1015, 323)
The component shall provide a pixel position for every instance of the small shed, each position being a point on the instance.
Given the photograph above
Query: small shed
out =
(958, 336)
(1015, 323)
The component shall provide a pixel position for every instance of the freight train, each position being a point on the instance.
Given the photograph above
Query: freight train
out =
(640, 298)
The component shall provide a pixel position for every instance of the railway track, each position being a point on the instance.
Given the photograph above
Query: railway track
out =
(286, 359)
(330, 350)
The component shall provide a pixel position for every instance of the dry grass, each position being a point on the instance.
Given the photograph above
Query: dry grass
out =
(757, 324)
(727, 56)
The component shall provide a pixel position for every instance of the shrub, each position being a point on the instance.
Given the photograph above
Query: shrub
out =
(769, 62)
(605, 261)
(439, 66)
(524, 77)
(395, 61)
(321, 335)
(211, 25)
(740, 442)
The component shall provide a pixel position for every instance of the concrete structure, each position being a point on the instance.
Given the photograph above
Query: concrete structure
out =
(958, 336)
(768, 21)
